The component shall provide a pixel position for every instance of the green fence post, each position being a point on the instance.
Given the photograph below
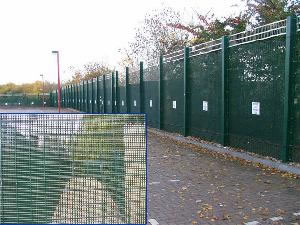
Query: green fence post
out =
(185, 91)
(127, 90)
(291, 28)
(160, 89)
(224, 92)
(113, 102)
(142, 89)
(104, 95)
(117, 93)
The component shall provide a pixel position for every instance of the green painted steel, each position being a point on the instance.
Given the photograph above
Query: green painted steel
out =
(240, 91)
(108, 94)
(151, 95)
(295, 114)
(291, 29)
(65, 168)
(224, 93)
(172, 95)
(134, 92)
(85, 96)
(204, 115)
(256, 96)
(94, 97)
(25, 100)
(186, 91)
(90, 96)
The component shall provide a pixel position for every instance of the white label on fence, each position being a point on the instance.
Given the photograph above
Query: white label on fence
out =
(115, 102)
(256, 108)
(108, 103)
(174, 104)
(79, 100)
(44, 103)
(19, 103)
(150, 103)
(73, 100)
(122, 103)
(134, 102)
(102, 102)
(205, 106)
(95, 101)
(90, 101)
(32, 103)
(5, 103)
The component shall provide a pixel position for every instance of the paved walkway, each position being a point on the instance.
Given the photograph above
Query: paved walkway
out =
(188, 185)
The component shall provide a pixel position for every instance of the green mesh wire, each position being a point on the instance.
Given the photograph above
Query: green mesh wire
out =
(134, 92)
(205, 73)
(295, 143)
(108, 94)
(172, 96)
(72, 168)
(151, 95)
(94, 97)
(28, 100)
(100, 95)
(122, 93)
(90, 96)
(256, 74)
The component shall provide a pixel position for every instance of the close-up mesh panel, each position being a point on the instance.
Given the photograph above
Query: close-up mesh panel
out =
(256, 76)
(172, 96)
(205, 96)
(73, 168)
(295, 125)
(134, 91)
(151, 89)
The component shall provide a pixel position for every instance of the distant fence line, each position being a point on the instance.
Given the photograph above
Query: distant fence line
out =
(241, 91)
(21, 99)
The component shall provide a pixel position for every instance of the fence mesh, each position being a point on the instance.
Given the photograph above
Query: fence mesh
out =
(134, 91)
(205, 96)
(256, 84)
(172, 96)
(72, 168)
(151, 95)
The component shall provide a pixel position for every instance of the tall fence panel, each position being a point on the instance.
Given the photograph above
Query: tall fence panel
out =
(101, 92)
(151, 89)
(94, 97)
(122, 94)
(256, 84)
(134, 91)
(65, 168)
(108, 94)
(204, 79)
(90, 96)
(172, 95)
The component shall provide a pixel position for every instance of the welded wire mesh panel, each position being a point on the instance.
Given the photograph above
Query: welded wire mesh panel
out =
(72, 168)
(108, 94)
(95, 105)
(122, 93)
(90, 96)
(256, 88)
(134, 91)
(8, 100)
(205, 96)
(100, 95)
(151, 87)
(172, 96)
(295, 148)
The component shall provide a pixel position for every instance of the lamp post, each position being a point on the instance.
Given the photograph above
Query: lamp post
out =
(43, 90)
(58, 80)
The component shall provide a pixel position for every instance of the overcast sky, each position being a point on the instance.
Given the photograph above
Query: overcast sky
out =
(82, 30)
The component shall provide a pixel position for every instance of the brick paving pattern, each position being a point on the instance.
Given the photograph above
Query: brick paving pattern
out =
(190, 186)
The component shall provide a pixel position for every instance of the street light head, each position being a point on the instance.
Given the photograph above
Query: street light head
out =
(55, 52)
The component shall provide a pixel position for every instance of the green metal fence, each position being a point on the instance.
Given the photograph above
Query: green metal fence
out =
(241, 91)
(35, 100)
(72, 168)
